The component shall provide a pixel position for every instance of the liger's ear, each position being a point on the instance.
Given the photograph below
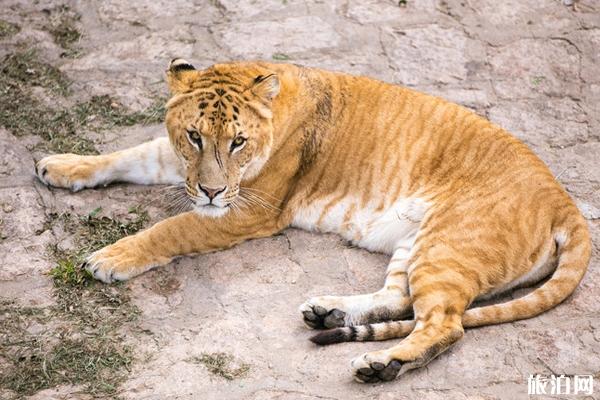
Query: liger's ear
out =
(180, 75)
(265, 88)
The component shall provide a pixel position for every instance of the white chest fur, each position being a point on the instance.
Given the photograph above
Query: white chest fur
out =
(385, 230)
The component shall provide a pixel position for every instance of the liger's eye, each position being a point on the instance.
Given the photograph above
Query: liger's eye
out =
(195, 138)
(237, 142)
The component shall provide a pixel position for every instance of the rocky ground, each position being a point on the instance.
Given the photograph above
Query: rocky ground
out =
(87, 76)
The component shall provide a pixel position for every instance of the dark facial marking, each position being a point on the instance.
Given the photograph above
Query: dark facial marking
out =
(202, 105)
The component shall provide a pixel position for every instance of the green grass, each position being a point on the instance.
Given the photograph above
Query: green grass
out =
(2, 234)
(8, 29)
(537, 80)
(92, 232)
(67, 273)
(222, 364)
(280, 57)
(80, 339)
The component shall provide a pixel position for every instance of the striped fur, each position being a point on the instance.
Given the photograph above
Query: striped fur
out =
(465, 210)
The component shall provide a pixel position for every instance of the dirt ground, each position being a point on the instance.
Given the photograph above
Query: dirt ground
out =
(87, 76)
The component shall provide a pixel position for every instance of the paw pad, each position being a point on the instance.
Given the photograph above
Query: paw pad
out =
(319, 317)
(377, 371)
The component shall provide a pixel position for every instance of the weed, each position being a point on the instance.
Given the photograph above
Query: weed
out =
(280, 57)
(536, 80)
(220, 364)
(67, 273)
(8, 29)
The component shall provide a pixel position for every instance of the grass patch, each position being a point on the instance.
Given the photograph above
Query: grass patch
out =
(24, 68)
(22, 114)
(63, 28)
(222, 364)
(8, 29)
(537, 80)
(102, 112)
(79, 340)
(92, 232)
(280, 57)
(2, 234)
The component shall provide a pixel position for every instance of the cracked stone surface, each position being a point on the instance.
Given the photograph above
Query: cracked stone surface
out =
(532, 66)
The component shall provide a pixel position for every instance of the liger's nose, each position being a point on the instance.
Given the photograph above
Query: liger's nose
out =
(211, 193)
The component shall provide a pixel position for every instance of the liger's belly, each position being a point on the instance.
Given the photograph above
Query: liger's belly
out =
(375, 228)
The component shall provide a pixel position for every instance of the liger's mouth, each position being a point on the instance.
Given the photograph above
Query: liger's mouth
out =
(213, 206)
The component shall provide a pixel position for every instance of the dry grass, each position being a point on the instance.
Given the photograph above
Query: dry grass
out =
(79, 340)
(222, 364)
(62, 25)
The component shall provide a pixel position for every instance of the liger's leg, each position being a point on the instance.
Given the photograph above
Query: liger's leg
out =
(150, 163)
(392, 302)
(441, 290)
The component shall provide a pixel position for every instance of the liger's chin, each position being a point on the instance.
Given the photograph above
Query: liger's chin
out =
(211, 210)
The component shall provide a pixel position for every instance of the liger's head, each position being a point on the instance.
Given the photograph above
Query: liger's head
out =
(220, 125)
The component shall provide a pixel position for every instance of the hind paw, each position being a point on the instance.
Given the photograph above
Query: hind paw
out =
(374, 367)
(319, 316)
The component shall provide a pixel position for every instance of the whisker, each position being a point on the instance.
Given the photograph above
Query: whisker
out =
(258, 191)
(262, 201)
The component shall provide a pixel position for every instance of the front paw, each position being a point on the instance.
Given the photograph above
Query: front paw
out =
(121, 261)
(70, 171)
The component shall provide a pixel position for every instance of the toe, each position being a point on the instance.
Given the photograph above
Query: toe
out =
(320, 311)
(334, 319)
(367, 370)
(318, 317)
